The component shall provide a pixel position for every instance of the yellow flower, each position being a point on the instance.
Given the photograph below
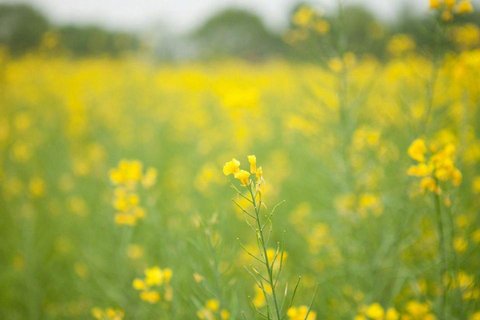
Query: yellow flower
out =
(464, 7)
(418, 309)
(107, 314)
(300, 313)
(417, 150)
(429, 184)
(231, 167)
(150, 296)
(375, 311)
(243, 176)
(212, 305)
(37, 187)
(139, 284)
(434, 4)
(259, 173)
(460, 244)
(154, 276)
(125, 219)
(420, 170)
(392, 314)
(224, 315)
(253, 164)
(303, 16)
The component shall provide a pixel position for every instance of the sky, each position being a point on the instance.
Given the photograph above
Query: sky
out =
(184, 15)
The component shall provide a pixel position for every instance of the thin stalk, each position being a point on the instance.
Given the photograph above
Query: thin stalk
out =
(264, 249)
(443, 253)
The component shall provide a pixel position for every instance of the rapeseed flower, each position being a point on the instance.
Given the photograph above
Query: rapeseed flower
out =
(126, 178)
(107, 314)
(155, 285)
(434, 166)
(301, 313)
(212, 311)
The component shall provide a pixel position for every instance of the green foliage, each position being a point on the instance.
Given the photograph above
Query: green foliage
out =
(21, 27)
(93, 40)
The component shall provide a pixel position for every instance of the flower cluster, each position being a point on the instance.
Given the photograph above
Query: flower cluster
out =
(301, 313)
(245, 177)
(465, 283)
(155, 284)
(448, 8)
(107, 314)
(126, 177)
(212, 311)
(416, 310)
(433, 165)
(375, 311)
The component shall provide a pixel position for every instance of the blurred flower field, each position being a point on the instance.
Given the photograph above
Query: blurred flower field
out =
(114, 204)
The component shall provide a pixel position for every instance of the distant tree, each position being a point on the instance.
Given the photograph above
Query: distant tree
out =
(236, 32)
(93, 40)
(21, 27)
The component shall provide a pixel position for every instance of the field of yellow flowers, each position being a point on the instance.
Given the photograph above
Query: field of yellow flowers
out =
(229, 190)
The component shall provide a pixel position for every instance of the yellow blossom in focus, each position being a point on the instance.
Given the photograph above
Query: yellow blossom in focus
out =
(243, 176)
(231, 167)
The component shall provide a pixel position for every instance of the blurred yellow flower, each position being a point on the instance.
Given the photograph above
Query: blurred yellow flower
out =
(417, 150)
(156, 281)
(301, 313)
(107, 314)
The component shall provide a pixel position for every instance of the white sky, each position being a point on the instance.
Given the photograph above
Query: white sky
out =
(183, 15)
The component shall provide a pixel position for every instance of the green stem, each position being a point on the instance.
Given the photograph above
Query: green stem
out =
(443, 254)
(264, 249)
